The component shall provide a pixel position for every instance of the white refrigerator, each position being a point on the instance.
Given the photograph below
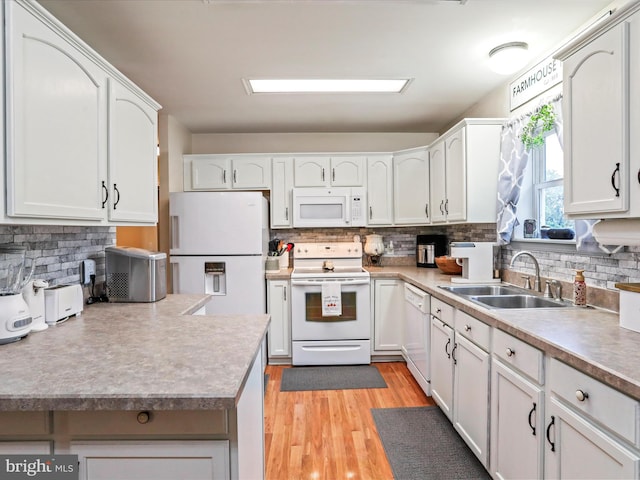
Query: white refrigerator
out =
(219, 243)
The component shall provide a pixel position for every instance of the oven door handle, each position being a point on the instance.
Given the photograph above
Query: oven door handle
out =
(363, 281)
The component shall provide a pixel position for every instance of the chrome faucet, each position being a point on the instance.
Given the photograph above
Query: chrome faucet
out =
(536, 284)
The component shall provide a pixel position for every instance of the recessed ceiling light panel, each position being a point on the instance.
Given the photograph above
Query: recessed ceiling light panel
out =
(332, 85)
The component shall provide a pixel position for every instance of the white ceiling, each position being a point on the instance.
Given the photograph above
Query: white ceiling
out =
(191, 55)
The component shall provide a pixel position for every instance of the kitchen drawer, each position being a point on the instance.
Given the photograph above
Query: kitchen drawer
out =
(25, 423)
(136, 422)
(442, 311)
(473, 329)
(519, 355)
(611, 408)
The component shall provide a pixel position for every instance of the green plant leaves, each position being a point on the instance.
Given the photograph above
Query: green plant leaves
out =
(540, 122)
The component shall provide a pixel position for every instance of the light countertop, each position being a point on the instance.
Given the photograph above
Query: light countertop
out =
(125, 356)
(588, 339)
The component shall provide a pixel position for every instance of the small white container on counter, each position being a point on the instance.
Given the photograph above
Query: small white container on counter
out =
(284, 261)
(629, 305)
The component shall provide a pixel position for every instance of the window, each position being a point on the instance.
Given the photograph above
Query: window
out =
(542, 195)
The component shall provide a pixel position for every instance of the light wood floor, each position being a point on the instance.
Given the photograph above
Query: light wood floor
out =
(330, 434)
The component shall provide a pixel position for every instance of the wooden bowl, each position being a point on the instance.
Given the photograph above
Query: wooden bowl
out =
(448, 265)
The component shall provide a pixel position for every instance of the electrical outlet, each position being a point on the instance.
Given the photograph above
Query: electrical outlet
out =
(87, 268)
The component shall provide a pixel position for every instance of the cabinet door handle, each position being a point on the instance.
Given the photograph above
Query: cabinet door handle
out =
(370, 212)
(442, 207)
(115, 189)
(224, 176)
(235, 176)
(553, 444)
(446, 206)
(333, 174)
(438, 311)
(286, 213)
(533, 428)
(467, 328)
(323, 174)
(453, 353)
(613, 179)
(106, 194)
(446, 348)
(284, 295)
(581, 395)
(510, 352)
(426, 209)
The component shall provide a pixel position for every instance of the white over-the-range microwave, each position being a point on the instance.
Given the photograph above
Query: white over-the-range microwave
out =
(329, 207)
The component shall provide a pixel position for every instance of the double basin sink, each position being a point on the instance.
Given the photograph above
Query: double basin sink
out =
(503, 296)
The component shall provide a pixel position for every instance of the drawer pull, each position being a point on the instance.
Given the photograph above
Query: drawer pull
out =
(446, 348)
(510, 352)
(581, 396)
(531, 412)
(553, 444)
(143, 417)
(438, 311)
(467, 328)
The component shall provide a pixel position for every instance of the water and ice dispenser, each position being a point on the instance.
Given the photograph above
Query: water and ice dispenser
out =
(215, 278)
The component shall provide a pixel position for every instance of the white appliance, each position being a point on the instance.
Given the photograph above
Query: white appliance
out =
(219, 243)
(476, 260)
(62, 302)
(330, 305)
(33, 294)
(15, 318)
(329, 207)
(417, 335)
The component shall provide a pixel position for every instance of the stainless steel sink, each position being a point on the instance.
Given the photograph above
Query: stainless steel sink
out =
(484, 290)
(517, 301)
(503, 296)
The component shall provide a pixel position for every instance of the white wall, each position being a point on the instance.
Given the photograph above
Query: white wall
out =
(307, 142)
(177, 141)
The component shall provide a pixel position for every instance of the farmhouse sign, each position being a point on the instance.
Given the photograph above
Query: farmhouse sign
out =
(537, 80)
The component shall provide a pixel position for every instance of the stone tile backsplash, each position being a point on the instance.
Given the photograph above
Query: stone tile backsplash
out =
(58, 250)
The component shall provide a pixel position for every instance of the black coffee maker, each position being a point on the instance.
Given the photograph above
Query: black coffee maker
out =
(428, 247)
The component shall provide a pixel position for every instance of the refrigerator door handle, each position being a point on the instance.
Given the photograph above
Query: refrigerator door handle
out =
(175, 277)
(175, 231)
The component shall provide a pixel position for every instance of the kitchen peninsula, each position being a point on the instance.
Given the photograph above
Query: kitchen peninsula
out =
(124, 385)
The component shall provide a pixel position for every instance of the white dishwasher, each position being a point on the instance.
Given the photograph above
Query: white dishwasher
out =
(415, 348)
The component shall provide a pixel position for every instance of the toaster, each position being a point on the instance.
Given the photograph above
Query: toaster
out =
(135, 274)
(62, 302)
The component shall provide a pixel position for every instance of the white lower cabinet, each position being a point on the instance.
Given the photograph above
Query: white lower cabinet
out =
(460, 365)
(591, 429)
(517, 428)
(152, 460)
(25, 448)
(471, 391)
(387, 325)
(440, 355)
(576, 448)
(279, 307)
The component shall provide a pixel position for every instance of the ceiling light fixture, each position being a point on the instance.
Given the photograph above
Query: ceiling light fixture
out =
(508, 57)
(308, 85)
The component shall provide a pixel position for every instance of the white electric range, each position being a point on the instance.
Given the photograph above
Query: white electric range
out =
(330, 305)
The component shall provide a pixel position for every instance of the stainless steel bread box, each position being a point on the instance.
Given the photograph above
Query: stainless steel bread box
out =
(135, 274)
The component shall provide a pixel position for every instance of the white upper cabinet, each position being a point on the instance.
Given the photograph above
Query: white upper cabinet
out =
(73, 148)
(224, 172)
(56, 158)
(464, 172)
(411, 187)
(325, 171)
(281, 200)
(380, 190)
(133, 166)
(600, 112)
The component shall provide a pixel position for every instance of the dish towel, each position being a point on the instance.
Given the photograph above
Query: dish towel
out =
(331, 299)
